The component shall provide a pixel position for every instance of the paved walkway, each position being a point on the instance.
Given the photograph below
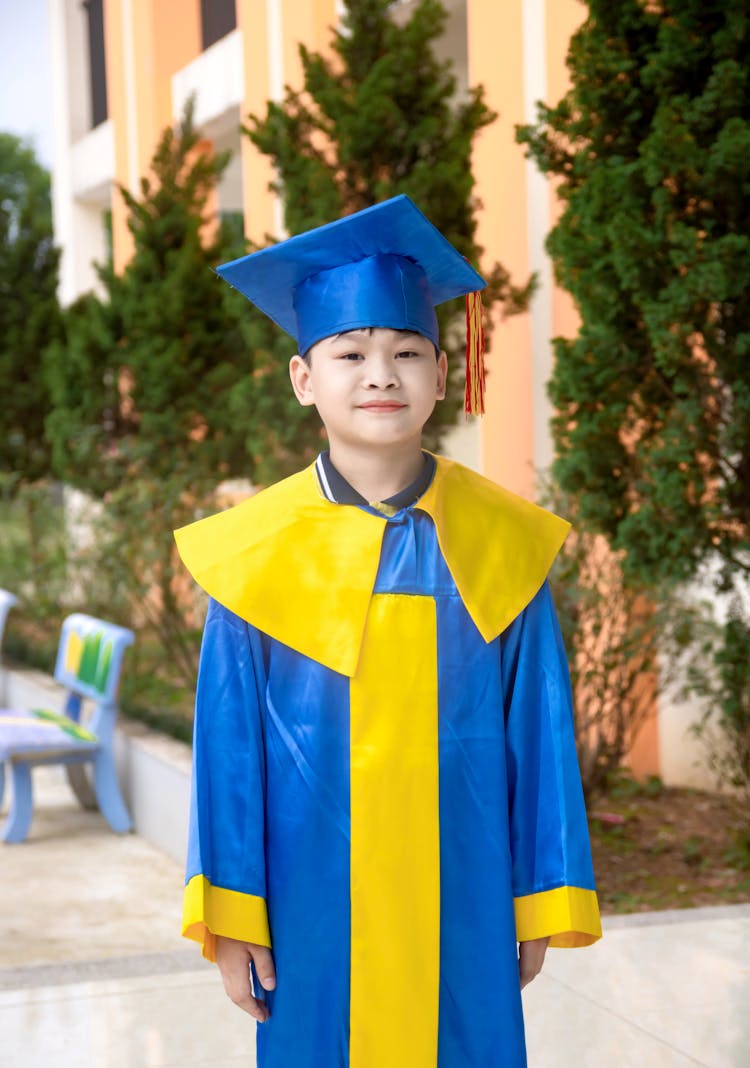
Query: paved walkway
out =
(94, 975)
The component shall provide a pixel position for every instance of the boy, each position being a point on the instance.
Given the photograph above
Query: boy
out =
(386, 797)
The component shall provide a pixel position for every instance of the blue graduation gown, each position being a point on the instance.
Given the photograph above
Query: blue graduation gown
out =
(392, 830)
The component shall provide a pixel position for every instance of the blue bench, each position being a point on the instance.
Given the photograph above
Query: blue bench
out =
(89, 660)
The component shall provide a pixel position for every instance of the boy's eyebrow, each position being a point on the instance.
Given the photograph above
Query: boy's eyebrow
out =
(368, 330)
(348, 333)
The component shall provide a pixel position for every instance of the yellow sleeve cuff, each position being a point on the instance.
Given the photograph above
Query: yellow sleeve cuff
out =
(568, 916)
(209, 911)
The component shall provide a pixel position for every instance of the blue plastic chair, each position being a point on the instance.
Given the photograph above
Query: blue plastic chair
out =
(89, 659)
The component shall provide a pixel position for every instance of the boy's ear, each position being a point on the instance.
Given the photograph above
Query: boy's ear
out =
(299, 372)
(442, 371)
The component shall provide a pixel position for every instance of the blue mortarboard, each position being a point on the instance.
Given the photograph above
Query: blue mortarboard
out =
(386, 266)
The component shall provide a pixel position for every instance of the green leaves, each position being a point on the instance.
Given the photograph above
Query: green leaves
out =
(163, 388)
(29, 312)
(147, 380)
(652, 149)
(381, 117)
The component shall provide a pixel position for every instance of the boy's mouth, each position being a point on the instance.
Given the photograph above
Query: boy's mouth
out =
(383, 406)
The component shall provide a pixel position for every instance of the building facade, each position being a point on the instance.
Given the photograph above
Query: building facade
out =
(123, 70)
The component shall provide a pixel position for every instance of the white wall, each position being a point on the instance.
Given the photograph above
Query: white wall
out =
(683, 755)
(84, 158)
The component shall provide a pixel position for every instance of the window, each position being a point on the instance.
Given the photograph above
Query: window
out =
(97, 64)
(218, 18)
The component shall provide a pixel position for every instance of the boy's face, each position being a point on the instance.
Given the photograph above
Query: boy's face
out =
(373, 387)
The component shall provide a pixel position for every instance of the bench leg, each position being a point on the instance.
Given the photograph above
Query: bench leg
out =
(108, 794)
(81, 786)
(21, 805)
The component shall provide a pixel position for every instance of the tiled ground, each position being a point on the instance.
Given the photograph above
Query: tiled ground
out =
(661, 991)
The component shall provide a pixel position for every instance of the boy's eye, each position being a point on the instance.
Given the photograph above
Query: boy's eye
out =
(406, 354)
(350, 356)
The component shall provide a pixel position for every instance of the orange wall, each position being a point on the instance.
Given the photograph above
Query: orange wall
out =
(164, 36)
(309, 21)
(171, 39)
(116, 103)
(496, 62)
(257, 170)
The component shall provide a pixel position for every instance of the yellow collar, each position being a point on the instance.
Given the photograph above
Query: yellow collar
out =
(302, 569)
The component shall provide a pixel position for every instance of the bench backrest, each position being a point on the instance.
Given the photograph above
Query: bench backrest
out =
(89, 658)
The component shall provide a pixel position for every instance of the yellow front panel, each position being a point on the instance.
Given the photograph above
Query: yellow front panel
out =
(395, 847)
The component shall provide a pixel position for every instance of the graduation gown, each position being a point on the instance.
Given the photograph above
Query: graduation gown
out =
(385, 784)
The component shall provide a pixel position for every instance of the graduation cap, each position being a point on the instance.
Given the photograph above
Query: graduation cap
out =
(385, 266)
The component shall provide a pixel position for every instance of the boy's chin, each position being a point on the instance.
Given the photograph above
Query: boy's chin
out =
(377, 439)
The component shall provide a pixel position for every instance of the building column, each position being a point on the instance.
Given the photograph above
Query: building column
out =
(261, 24)
(496, 61)
(272, 31)
(146, 42)
(78, 226)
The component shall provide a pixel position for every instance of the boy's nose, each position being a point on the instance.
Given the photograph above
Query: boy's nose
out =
(381, 374)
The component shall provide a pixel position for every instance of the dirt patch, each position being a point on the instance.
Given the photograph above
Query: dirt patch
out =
(659, 848)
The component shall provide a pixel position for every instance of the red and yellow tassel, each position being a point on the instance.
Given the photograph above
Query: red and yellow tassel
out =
(474, 396)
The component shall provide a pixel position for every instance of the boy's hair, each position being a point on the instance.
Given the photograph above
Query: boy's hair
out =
(369, 330)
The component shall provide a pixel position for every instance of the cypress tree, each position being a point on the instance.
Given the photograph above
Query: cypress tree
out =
(651, 150)
(29, 312)
(163, 388)
(383, 116)
(170, 375)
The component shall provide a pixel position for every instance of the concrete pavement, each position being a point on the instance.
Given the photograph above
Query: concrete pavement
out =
(93, 973)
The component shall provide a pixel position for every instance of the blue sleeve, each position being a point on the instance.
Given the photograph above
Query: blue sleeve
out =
(225, 890)
(553, 879)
